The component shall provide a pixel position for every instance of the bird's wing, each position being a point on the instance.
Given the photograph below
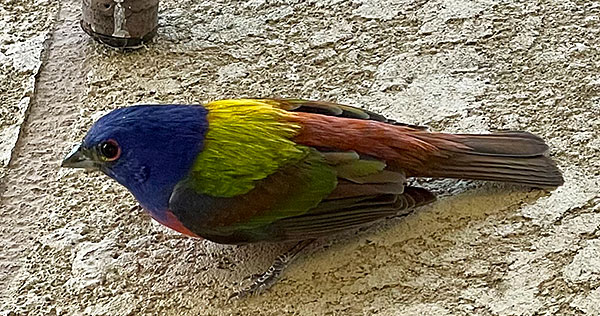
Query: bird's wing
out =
(336, 190)
(335, 215)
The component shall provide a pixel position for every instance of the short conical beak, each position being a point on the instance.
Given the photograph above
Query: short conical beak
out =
(79, 157)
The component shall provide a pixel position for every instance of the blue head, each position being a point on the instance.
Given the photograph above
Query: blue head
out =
(146, 148)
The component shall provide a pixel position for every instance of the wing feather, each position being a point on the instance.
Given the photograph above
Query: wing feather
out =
(349, 213)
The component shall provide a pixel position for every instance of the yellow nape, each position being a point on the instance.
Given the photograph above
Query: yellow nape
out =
(247, 140)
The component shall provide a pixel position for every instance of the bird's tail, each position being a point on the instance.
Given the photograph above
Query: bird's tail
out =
(516, 157)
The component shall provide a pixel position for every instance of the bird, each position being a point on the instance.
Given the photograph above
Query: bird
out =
(240, 171)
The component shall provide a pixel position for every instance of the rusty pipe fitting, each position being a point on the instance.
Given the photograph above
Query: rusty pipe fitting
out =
(120, 23)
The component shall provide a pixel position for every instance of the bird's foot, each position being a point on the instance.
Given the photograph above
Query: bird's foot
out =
(267, 279)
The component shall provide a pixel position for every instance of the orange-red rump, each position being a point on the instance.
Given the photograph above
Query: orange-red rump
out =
(516, 157)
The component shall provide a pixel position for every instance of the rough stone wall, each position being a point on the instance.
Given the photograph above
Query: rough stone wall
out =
(73, 245)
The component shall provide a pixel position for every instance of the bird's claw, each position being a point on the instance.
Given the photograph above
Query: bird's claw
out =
(259, 285)
(264, 281)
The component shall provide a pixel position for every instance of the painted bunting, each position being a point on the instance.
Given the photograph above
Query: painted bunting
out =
(252, 170)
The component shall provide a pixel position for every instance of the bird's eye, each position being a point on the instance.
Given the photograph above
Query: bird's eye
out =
(110, 150)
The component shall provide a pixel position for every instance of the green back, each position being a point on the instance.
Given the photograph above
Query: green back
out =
(247, 140)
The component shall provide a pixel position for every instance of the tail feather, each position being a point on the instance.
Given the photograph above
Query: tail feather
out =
(505, 144)
(516, 157)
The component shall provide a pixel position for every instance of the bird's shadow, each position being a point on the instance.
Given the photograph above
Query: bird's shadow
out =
(464, 202)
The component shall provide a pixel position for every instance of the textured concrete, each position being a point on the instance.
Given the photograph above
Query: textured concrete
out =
(72, 243)
(23, 30)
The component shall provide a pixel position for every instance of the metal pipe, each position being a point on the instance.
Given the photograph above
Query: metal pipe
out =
(120, 23)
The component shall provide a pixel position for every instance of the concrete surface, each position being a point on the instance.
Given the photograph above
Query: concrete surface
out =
(73, 245)
(23, 31)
